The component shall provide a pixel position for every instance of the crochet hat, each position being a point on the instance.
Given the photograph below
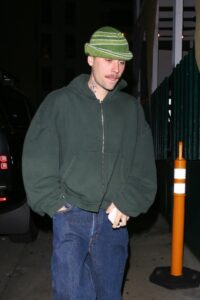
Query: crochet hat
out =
(108, 42)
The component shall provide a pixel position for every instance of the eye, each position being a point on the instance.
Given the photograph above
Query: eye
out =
(108, 60)
(122, 62)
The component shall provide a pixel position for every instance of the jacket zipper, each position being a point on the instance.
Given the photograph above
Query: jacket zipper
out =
(103, 143)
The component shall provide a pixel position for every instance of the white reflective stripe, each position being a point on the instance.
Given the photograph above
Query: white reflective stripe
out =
(179, 188)
(180, 173)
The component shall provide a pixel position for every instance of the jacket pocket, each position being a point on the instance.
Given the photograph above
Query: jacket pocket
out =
(118, 174)
(116, 167)
(83, 176)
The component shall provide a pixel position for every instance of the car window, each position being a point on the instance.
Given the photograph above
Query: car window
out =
(3, 121)
(13, 109)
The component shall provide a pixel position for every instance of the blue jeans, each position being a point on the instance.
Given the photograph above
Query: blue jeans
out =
(89, 256)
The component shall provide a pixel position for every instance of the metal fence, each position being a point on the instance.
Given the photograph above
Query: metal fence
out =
(175, 112)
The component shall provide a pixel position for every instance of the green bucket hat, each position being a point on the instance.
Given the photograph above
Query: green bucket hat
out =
(108, 42)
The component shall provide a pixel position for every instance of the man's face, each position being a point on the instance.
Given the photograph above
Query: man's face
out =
(106, 72)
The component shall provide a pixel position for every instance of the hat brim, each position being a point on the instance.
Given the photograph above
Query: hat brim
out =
(105, 53)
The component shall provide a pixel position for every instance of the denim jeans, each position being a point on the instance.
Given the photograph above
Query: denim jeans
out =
(89, 256)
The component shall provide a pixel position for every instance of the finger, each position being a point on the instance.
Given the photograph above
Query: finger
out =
(63, 208)
(110, 208)
(117, 220)
(122, 221)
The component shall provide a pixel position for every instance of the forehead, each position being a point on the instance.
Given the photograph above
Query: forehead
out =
(103, 59)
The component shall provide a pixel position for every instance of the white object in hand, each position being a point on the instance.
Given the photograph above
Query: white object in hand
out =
(112, 215)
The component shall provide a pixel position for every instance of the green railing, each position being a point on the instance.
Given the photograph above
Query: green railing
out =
(175, 116)
(175, 111)
(159, 119)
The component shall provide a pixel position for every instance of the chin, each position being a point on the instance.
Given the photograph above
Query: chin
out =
(109, 89)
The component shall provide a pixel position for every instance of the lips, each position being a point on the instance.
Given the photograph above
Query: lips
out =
(112, 78)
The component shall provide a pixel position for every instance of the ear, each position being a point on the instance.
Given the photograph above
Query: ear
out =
(90, 60)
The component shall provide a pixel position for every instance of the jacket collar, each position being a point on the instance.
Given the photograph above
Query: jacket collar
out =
(80, 85)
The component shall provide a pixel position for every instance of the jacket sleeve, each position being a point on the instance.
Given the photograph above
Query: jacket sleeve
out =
(40, 164)
(138, 192)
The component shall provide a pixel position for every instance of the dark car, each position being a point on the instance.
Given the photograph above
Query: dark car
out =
(16, 219)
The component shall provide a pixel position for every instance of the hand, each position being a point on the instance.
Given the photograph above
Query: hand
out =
(62, 209)
(120, 219)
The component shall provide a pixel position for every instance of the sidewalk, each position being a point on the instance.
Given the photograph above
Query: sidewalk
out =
(25, 268)
(151, 249)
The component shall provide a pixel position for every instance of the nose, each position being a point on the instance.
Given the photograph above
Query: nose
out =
(116, 66)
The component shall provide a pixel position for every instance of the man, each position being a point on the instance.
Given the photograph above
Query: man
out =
(88, 163)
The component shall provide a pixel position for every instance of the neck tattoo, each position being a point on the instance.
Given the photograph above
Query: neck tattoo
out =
(93, 86)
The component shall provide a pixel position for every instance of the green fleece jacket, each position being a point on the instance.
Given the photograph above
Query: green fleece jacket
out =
(89, 153)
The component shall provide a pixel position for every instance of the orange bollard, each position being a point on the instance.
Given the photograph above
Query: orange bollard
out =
(178, 214)
(176, 276)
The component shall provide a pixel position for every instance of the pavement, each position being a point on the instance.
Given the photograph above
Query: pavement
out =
(151, 249)
(25, 268)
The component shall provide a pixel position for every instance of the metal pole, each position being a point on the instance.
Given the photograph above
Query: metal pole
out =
(177, 32)
(155, 53)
